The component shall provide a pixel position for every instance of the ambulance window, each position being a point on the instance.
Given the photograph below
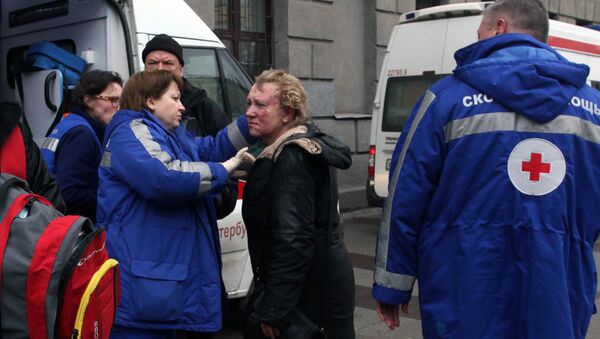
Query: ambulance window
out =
(236, 83)
(401, 94)
(202, 70)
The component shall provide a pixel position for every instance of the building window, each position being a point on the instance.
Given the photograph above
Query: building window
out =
(426, 3)
(244, 26)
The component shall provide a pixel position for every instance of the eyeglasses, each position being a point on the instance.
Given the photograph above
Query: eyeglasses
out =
(113, 100)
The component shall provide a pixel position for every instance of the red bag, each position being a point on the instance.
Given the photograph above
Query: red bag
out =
(55, 271)
(91, 291)
(12, 155)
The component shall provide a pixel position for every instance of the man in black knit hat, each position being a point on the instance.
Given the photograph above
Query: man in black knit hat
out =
(202, 116)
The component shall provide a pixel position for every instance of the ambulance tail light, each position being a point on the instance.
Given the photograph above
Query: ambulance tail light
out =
(371, 168)
(241, 186)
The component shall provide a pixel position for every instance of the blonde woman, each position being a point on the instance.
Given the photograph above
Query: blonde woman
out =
(304, 285)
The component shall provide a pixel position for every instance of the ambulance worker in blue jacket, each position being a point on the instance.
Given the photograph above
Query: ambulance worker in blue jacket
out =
(73, 150)
(494, 190)
(155, 200)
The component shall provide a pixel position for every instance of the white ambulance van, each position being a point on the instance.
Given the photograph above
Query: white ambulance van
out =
(421, 51)
(111, 35)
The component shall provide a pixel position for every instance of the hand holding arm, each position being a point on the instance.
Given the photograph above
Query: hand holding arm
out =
(241, 157)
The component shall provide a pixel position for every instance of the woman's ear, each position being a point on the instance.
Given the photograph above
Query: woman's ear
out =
(288, 115)
(150, 104)
(87, 100)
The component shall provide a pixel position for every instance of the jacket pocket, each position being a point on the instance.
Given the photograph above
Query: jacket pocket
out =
(159, 263)
(159, 290)
(159, 270)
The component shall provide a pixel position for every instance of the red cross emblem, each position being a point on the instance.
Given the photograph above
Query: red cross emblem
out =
(529, 159)
(535, 166)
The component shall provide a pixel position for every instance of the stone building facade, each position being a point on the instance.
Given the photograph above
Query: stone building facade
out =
(337, 46)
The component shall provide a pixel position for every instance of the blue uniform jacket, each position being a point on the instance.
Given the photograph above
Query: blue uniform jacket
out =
(154, 201)
(73, 152)
(492, 206)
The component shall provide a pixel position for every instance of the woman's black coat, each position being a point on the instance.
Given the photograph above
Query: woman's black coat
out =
(295, 238)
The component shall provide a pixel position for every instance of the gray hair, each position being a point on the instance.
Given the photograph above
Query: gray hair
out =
(525, 16)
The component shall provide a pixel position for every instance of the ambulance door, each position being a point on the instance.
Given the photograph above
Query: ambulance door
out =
(215, 70)
(414, 53)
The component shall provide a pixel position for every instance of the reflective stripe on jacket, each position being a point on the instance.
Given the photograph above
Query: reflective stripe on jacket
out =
(68, 122)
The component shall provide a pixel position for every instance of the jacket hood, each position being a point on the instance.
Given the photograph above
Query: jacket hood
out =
(335, 153)
(521, 73)
(10, 116)
(326, 148)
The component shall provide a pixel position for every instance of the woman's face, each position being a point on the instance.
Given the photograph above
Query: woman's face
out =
(103, 106)
(267, 119)
(168, 107)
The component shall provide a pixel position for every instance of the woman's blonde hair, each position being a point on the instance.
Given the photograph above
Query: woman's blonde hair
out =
(146, 85)
(292, 94)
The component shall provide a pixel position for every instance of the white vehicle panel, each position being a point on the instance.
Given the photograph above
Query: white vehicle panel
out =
(236, 271)
(175, 17)
(408, 42)
(463, 33)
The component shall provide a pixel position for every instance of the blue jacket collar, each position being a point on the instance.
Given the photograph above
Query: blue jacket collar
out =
(97, 125)
(126, 115)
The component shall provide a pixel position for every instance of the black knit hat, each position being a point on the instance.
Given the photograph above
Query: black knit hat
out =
(163, 42)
